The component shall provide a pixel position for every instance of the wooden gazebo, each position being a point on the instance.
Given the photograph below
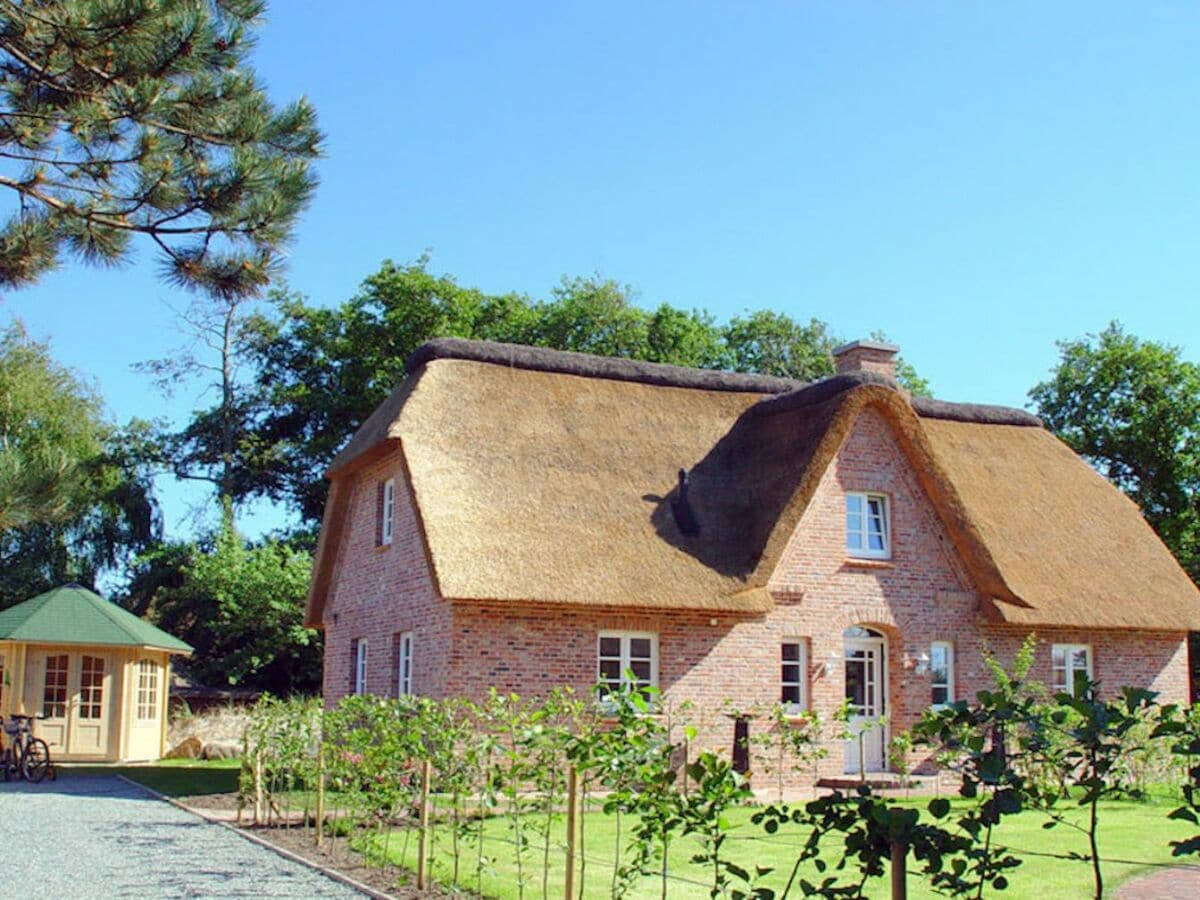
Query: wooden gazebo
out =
(96, 674)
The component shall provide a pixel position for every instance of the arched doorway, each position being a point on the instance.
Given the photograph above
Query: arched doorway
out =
(866, 694)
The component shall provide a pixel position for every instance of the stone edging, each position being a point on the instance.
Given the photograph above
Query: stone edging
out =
(253, 838)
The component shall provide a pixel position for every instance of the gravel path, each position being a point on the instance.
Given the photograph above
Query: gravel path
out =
(103, 837)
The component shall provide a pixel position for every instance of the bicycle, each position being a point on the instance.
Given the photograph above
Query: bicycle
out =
(24, 755)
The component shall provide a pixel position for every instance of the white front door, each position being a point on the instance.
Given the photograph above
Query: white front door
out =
(866, 694)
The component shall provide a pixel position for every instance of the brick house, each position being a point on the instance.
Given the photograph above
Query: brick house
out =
(527, 518)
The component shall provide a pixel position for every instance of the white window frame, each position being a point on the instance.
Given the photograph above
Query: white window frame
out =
(794, 707)
(626, 638)
(948, 684)
(404, 664)
(360, 666)
(864, 532)
(147, 691)
(387, 530)
(1067, 683)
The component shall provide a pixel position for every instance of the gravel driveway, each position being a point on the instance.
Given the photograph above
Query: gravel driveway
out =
(103, 837)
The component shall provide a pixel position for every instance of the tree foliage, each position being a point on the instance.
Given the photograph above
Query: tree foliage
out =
(50, 433)
(123, 117)
(1131, 408)
(76, 497)
(241, 606)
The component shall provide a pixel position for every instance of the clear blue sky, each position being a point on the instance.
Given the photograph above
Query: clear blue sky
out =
(978, 180)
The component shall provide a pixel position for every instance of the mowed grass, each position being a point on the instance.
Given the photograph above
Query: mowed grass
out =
(173, 777)
(1134, 836)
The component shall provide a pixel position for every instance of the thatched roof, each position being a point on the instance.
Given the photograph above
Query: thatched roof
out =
(552, 477)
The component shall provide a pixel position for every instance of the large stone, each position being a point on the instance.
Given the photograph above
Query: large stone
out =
(188, 748)
(222, 750)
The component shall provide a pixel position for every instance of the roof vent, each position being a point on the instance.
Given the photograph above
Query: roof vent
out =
(681, 507)
(867, 356)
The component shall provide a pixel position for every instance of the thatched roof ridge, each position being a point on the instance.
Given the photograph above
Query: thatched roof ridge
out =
(586, 365)
(979, 413)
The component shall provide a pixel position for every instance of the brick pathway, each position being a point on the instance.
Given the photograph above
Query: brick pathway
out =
(1182, 883)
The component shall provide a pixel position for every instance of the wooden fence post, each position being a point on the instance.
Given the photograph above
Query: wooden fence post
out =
(320, 793)
(572, 828)
(423, 837)
(899, 871)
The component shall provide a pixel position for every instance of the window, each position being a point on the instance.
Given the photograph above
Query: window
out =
(387, 510)
(54, 689)
(147, 690)
(404, 659)
(793, 693)
(360, 666)
(1070, 662)
(868, 528)
(621, 653)
(91, 687)
(941, 673)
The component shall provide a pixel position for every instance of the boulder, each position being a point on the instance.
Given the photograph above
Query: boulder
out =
(188, 748)
(222, 750)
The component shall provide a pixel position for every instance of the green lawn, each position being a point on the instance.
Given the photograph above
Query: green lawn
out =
(173, 777)
(1135, 833)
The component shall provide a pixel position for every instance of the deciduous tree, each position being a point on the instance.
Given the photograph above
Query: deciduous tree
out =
(1131, 408)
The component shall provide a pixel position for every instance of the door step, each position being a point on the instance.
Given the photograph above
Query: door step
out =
(876, 781)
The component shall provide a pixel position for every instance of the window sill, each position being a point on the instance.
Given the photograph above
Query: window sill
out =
(379, 547)
(869, 562)
(605, 718)
(797, 718)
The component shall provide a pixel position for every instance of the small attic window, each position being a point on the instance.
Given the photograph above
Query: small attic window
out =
(868, 526)
(387, 512)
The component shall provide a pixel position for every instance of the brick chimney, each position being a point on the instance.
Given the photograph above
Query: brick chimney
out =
(867, 356)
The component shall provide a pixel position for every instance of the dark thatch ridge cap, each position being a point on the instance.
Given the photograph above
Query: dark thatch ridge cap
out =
(789, 394)
(819, 392)
(566, 362)
(977, 413)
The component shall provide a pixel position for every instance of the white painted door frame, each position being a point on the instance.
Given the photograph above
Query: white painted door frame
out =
(867, 690)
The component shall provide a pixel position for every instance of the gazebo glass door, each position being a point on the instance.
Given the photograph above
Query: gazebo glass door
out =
(51, 675)
(73, 693)
(89, 722)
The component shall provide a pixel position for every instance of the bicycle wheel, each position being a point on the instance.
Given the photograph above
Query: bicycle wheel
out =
(35, 761)
(6, 763)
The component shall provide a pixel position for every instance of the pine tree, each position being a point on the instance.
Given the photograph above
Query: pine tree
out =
(123, 117)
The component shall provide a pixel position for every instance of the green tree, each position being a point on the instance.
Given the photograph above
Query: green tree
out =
(116, 520)
(123, 117)
(50, 433)
(241, 606)
(76, 493)
(1131, 408)
(772, 343)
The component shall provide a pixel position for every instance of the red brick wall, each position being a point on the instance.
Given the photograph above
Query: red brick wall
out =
(720, 662)
(379, 592)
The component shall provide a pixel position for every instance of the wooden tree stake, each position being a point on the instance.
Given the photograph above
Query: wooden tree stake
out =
(423, 836)
(258, 787)
(572, 828)
(320, 793)
(899, 871)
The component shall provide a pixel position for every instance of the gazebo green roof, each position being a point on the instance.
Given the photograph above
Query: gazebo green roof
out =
(74, 615)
